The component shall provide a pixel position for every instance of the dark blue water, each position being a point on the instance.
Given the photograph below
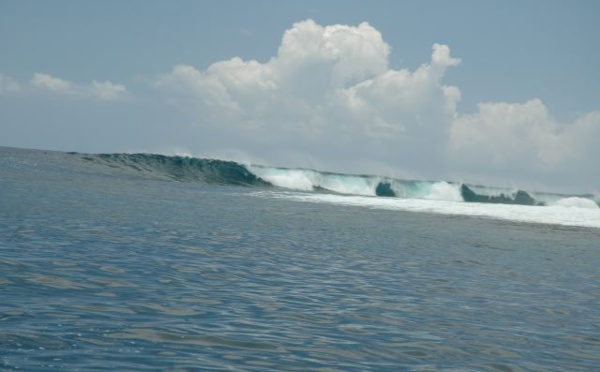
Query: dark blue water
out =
(108, 269)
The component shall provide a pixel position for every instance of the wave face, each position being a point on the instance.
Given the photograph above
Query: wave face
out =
(181, 168)
(188, 169)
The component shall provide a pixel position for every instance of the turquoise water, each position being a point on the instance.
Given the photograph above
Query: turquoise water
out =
(111, 268)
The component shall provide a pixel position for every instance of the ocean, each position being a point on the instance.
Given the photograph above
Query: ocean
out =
(124, 262)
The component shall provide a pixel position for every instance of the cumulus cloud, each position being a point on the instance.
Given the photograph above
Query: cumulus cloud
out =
(107, 91)
(46, 81)
(102, 91)
(523, 136)
(329, 92)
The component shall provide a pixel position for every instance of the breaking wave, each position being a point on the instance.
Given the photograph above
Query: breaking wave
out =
(189, 169)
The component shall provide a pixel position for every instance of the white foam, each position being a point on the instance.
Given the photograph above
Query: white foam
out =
(577, 202)
(554, 215)
(292, 179)
(308, 180)
(353, 185)
(445, 191)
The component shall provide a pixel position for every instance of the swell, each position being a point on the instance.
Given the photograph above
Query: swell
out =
(189, 169)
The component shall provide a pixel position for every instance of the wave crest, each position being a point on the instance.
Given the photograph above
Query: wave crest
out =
(188, 169)
(577, 202)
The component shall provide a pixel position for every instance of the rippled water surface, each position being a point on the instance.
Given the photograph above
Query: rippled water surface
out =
(100, 271)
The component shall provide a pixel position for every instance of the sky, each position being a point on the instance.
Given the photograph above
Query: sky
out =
(501, 93)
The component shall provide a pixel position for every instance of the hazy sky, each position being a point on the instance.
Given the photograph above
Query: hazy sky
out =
(500, 92)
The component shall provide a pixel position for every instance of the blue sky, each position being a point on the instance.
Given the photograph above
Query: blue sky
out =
(513, 99)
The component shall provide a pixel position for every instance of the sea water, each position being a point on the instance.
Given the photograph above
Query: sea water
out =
(105, 266)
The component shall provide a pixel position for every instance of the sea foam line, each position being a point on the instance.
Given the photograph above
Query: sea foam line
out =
(553, 215)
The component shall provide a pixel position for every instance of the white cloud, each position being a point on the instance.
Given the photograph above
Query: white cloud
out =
(521, 135)
(346, 54)
(102, 91)
(9, 85)
(46, 81)
(329, 92)
(107, 91)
